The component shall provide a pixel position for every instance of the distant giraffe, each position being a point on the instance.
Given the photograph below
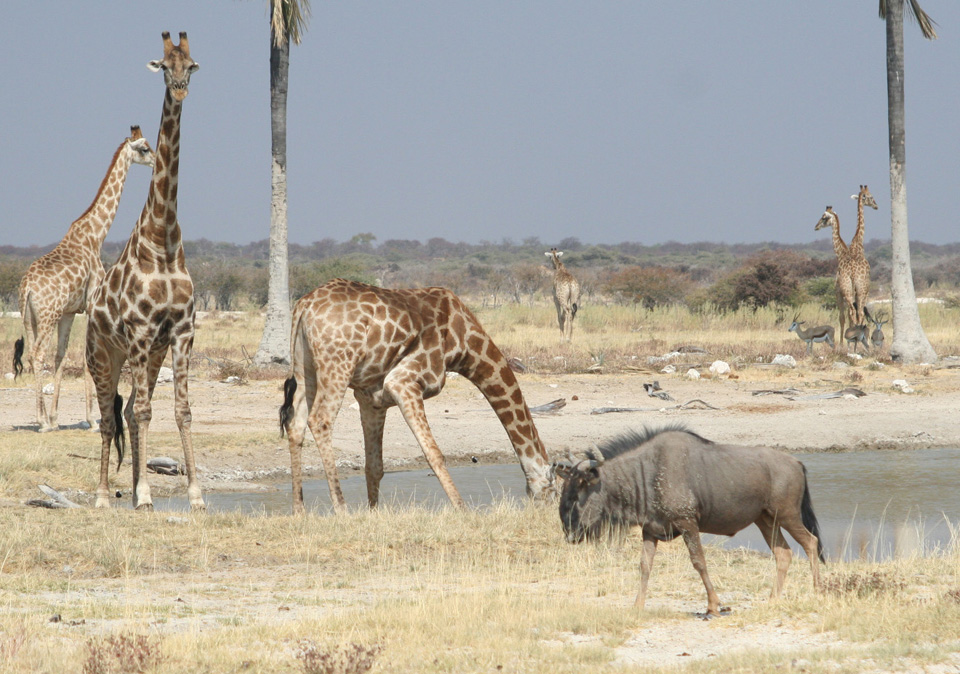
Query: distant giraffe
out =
(860, 266)
(58, 286)
(846, 297)
(394, 347)
(145, 305)
(566, 295)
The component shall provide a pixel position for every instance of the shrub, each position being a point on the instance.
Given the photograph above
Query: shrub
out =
(650, 286)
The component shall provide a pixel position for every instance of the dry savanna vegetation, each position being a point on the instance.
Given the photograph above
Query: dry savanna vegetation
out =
(405, 589)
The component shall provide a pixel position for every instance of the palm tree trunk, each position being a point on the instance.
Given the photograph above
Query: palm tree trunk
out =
(275, 342)
(910, 344)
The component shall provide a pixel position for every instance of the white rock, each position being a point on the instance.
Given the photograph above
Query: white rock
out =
(48, 389)
(9, 376)
(855, 356)
(840, 365)
(165, 375)
(720, 367)
(902, 386)
(784, 359)
(692, 374)
(669, 369)
(232, 379)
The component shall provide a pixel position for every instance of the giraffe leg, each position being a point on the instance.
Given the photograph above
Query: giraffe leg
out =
(104, 369)
(296, 429)
(331, 386)
(372, 419)
(180, 356)
(63, 339)
(90, 396)
(142, 412)
(37, 360)
(409, 398)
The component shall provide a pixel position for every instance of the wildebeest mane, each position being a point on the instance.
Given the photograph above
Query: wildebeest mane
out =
(633, 439)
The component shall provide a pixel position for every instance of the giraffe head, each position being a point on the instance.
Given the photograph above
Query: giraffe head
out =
(139, 149)
(867, 198)
(176, 64)
(555, 256)
(828, 219)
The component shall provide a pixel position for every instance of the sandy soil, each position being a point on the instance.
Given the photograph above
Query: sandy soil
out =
(466, 427)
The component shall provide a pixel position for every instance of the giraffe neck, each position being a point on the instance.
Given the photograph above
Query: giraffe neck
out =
(505, 397)
(90, 229)
(158, 232)
(856, 243)
(839, 247)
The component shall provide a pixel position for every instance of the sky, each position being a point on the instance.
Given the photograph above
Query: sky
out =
(609, 121)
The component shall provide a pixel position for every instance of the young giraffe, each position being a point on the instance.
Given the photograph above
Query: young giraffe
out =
(846, 299)
(145, 305)
(58, 286)
(394, 347)
(860, 268)
(566, 295)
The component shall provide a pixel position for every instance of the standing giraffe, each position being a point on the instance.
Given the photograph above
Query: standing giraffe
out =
(145, 305)
(566, 295)
(860, 266)
(846, 297)
(394, 347)
(58, 286)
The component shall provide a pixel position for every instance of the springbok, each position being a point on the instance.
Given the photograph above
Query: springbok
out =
(856, 334)
(821, 333)
(876, 337)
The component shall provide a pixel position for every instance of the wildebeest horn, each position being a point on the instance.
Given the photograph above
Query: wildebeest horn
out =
(564, 469)
(595, 458)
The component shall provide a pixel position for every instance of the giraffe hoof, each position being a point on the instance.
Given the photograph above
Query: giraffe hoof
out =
(145, 507)
(47, 428)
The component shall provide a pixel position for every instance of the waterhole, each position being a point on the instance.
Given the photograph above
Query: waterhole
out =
(870, 505)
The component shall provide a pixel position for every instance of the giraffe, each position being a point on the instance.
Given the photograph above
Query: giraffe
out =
(394, 347)
(844, 282)
(566, 295)
(58, 285)
(144, 306)
(859, 265)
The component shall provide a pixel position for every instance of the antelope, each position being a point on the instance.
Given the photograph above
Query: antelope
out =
(856, 334)
(876, 337)
(821, 333)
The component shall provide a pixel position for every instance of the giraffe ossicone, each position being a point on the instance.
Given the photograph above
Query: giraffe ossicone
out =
(394, 347)
(58, 286)
(144, 307)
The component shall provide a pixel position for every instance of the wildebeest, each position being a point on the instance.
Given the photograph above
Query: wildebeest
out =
(672, 482)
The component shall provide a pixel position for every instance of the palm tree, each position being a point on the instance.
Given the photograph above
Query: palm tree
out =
(288, 20)
(910, 343)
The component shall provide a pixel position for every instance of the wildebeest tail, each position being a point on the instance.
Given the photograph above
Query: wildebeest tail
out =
(286, 409)
(118, 439)
(18, 358)
(809, 519)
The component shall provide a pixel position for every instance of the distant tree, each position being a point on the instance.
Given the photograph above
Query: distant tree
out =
(765, 283)
(649, 286)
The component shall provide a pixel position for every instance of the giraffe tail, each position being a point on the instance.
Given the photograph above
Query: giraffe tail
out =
(573, 311)
(18, 358)
(118, 438)
(286, 410)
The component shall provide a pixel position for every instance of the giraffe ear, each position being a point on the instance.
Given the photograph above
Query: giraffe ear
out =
(194, 67)
(559, 253)
(548, 254)
(854, 196)
(155, 66)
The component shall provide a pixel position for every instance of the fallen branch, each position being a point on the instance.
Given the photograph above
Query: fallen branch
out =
(57, 500)
(835, 394)
(780, 391)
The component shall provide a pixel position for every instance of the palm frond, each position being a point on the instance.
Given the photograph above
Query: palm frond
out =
(917, 14)
(288, 20)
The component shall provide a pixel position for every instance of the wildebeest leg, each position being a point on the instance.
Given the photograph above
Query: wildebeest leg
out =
(646, 564)
(691, 536)
(808, 542)
(770, 529)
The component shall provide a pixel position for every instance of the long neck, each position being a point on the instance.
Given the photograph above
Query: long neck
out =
(839, 247)
(91, 228)
(159, 240)
(856, 243)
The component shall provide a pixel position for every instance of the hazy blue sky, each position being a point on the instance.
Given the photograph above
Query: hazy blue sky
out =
(607, 121)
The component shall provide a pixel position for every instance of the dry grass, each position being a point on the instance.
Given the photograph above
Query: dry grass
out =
(411, 590)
